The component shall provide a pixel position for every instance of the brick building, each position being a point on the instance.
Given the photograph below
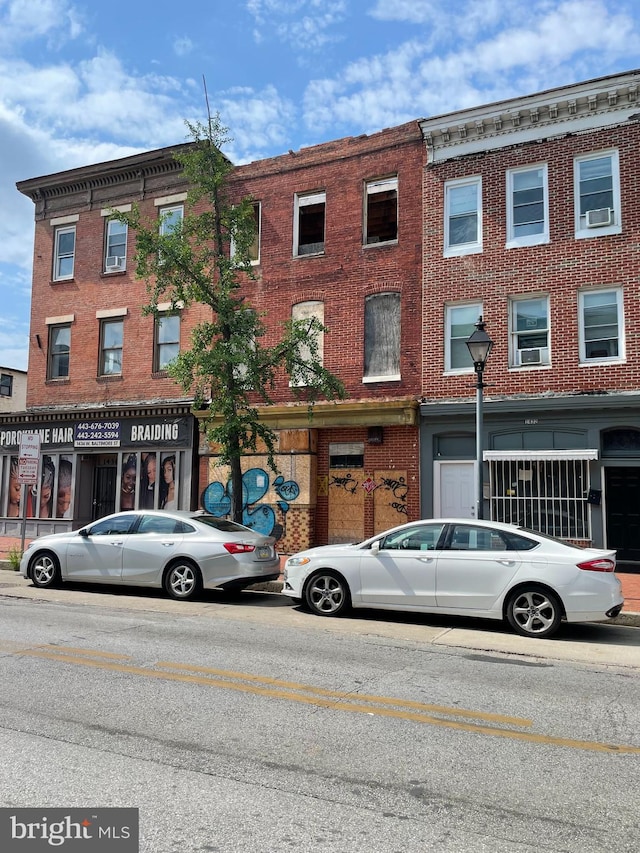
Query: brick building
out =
(532, 221)
(339, 237)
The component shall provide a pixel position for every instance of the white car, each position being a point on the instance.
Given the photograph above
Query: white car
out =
(181, 552)
(462, 568)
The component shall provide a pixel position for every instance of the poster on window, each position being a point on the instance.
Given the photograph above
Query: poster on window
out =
(168, 494)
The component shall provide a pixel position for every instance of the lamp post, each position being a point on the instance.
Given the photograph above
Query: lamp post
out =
(480, 345)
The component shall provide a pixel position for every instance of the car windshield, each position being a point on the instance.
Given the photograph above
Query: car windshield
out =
(222, 524)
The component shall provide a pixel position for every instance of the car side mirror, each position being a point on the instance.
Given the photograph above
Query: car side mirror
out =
(375, 546)
(83, 532)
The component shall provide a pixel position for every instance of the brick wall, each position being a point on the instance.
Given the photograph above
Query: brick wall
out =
(558, 268)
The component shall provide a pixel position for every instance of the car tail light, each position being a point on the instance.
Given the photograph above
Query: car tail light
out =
(239, 548)
(599, 565)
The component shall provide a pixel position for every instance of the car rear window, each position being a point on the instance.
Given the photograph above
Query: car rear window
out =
(222, 524)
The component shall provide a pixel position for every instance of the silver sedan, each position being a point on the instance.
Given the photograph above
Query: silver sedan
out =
(182, 552)
(463, 568)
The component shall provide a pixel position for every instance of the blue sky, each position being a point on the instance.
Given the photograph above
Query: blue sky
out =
(82, 82)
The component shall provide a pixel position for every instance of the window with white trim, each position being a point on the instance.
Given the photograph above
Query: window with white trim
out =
(597, 194)
(601, 325)
(527, 206)
(115, 246)
(381, 211)
(111, 340)
(308, 223)
(170, 218)
(382, 337)
(529, 331)
(463, 216)
(64, 252)
(59, 351)
(460, 323)
(6, 385)
(167, 340)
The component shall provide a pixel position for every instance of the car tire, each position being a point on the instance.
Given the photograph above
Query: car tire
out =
(44, 570)
(326, 593)
(183, 580)
(534, 611)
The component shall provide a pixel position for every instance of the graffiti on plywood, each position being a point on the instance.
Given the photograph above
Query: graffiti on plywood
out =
(256, 483)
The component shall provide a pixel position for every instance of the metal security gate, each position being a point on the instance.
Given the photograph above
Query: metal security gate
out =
(548, 495)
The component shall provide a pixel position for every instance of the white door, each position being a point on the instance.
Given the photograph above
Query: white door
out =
(454, 490)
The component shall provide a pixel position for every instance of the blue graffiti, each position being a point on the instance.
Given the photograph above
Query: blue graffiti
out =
(216, 499)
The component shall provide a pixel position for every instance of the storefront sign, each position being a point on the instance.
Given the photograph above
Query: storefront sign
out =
(102, 433)
(97, 434)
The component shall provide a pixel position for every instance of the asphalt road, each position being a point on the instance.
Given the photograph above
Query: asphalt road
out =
(235, 724)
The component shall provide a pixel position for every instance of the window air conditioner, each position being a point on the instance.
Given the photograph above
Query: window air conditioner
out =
(598, 218)
(113, 263)
(530, 356)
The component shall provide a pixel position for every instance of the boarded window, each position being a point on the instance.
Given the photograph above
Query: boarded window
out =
(382, 336)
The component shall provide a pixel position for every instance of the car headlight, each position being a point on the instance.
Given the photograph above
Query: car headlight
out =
(298, 561)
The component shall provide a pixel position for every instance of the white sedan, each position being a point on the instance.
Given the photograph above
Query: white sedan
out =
(461, 568)
(181, 552)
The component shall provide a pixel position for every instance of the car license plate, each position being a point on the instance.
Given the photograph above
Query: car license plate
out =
(264, 553)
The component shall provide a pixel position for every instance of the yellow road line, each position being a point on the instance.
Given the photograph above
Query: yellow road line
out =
(360, 697)
(320, 701)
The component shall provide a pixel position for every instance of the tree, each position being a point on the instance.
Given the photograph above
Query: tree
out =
(205, 258)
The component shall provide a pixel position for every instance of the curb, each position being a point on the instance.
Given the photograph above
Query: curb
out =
(626, 618)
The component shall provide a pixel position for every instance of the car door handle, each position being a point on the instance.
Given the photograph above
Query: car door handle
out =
(117, 543)
(426, 559)
(168, 544)
(507, 562)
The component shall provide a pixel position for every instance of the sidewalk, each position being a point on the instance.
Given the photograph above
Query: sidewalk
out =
(630, 588)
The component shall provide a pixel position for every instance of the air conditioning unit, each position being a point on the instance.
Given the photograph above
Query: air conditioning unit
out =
(114, 263)
(600, 217)
(530, 356)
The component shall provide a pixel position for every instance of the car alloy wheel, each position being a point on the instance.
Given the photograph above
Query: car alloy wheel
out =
(534, 612)
(326, 594)
(44, 570)
(182, 580)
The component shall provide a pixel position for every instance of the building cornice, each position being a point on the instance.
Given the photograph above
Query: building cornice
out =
(400, 412)
(553, 404)
(580, 108)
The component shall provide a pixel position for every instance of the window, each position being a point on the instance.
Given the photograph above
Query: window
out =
(167, 340)
(116, 246)
(59, 349)
(382, 337)
(306, 311)
(254, 249)
(530, 331)
(170, 218)
(6, 385)
(308, 224)
(597, 195)
(463, 217)
(419, 538)
(460, 324)
(548, 495)
(527, 206)
(111, 335)
(381, 211)
(601, 325)
(65, 249)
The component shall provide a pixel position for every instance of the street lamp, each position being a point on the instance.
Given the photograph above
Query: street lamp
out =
(479, 348)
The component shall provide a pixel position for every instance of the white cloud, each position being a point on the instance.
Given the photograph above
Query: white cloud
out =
(306, 25)
(26, 20)
(182, 46)
(545, 49)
